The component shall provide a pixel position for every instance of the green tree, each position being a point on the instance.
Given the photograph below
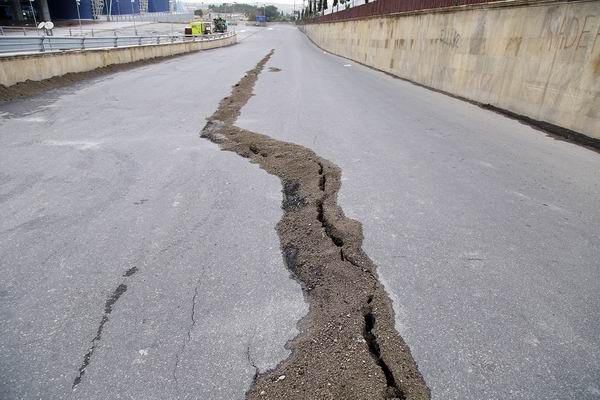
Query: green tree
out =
(325, 6)
(228, 7)
(271, 12)
(198, 12)
(319, 5)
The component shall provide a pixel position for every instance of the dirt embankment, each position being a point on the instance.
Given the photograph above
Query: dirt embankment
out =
(31, 88)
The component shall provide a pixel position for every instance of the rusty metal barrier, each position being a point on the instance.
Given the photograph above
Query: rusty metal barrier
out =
(382, 7)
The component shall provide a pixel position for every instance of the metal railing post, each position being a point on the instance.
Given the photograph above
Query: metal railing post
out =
(116, 41)
(42, 48)
(83, 43)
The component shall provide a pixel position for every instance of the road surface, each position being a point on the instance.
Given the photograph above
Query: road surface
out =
(111, 174)
(484, 231)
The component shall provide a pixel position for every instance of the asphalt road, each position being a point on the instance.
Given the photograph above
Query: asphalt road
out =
(112, 174)
(485, 231)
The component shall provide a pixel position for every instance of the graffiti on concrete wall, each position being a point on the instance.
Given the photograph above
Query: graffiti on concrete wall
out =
(450, 37)
(576, 32)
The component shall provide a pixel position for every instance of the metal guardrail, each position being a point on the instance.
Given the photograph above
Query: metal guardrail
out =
(127, 31)
(140, 30)
(157, 17)
(21, 30)
(25, 44)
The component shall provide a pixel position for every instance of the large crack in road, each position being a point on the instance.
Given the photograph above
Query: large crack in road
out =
(348, 347)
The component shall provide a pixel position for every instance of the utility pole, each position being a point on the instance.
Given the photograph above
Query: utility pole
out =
(133, 16)
(33, 12)
(79, 17)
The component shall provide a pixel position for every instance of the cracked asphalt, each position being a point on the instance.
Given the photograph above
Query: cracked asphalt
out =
(111, 174)
(348, 346)
(484, 231)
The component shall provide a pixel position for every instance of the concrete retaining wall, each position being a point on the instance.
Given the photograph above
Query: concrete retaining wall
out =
(37, 67)
(538, 59)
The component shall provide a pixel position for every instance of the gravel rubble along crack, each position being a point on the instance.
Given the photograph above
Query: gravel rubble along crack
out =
(348, 347)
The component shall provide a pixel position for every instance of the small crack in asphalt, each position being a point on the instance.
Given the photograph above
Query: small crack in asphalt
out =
(119, 291)
(108, 307)
(187, 339)
(251, 362)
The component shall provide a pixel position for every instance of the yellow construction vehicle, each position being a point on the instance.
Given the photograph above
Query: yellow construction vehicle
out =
(198, 28)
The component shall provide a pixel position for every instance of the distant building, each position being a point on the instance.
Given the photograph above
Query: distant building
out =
(22, 11)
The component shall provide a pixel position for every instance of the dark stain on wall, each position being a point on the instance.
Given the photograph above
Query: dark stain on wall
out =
(478, 39)
(514, 44)
(596, 66)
